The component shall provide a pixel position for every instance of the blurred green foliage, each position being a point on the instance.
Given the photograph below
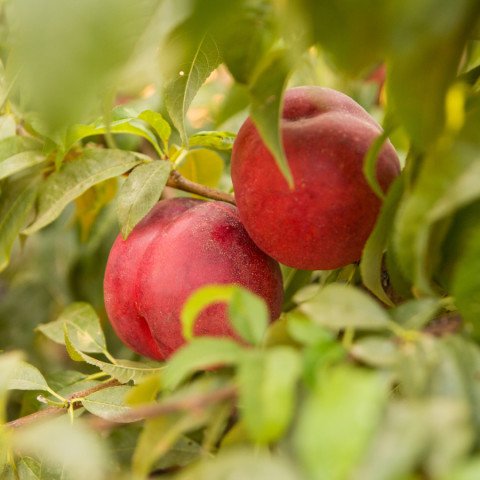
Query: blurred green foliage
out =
(372, 371)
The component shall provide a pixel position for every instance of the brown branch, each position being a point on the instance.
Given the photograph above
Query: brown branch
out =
(181, 183)
(135, 414)
(166, 407)
(53, 411)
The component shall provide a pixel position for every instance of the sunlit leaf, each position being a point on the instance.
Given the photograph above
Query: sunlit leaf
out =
(159, 124)
(263, 376)
(193, 68)
(200, 354)
(215, 140)
(84, 328)
(202, 166)
(249, 315)
(130, 126)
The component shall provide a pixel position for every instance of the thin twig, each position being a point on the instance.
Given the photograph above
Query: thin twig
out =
(166, 407)
(181, 183)
(52, 411)
(135, 414)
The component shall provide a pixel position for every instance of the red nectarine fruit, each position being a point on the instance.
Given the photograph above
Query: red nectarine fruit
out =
(181, 245)
(325, 220)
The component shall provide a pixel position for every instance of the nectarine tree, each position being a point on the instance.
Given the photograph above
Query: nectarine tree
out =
(174, 169)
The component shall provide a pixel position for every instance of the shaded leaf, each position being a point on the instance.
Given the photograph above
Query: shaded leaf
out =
(108, 403)
(15, 208)
(27, 377)
(140, 192)
(242, 464)
(19, 162)
(72, 448)
(338, 420)
(266, 89)
(340, 306)
(74, 178)
(372, 256)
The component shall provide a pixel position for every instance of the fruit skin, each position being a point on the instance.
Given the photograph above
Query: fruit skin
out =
(181, 245)
(324, 222)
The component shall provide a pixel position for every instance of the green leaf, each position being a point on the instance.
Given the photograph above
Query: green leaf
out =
(108, 403)
(416, 313)
(11, 146)
(193, 68)
(248, 33)
(84, 329)
(249, 315)
(355, 35)
(375, 351)
(122, 370)
(8, 126)
(466, 282)
(160, 435)
(306, 332)
(202, 166)
(15, 208)
(242, 464)
(338, 420)
(8, 362)
(445, 183)
(19, 162)
(159, 125)
(74, 178)
(199, 300)
(200, 354)
(27, 377)
(340, 306)
(64, 80)
(73, 448)
(216, 140)
(266, 90)
(372, 256)
(267, 391)
(417, 90)
(130, 126)
(140, 192)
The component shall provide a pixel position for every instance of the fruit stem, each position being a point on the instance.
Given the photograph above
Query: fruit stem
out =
(181, 183)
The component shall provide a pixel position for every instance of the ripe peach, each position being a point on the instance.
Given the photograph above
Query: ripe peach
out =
(325, 220)
(181, 245)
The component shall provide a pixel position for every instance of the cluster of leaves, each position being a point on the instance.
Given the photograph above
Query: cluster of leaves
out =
(346, 384)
